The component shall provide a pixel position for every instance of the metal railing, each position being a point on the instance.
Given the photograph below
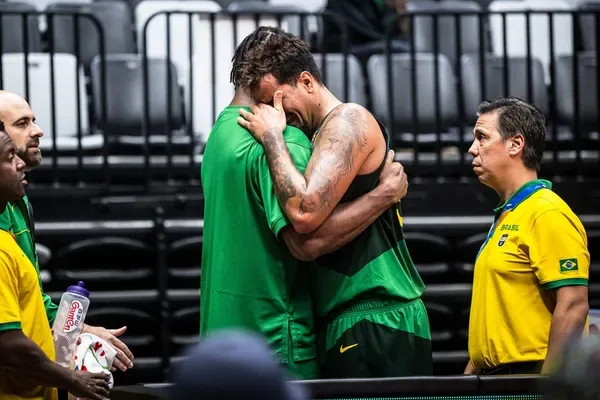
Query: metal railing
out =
(151, 111)
(433, 388)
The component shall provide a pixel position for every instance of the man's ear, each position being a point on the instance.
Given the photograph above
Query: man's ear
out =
(517, 144)
(307, 81)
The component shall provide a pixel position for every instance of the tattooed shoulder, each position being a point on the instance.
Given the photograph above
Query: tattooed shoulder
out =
(340, 141)
(347, 121)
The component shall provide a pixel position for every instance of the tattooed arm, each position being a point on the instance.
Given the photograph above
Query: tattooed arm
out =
(349, 220)
(340, 149)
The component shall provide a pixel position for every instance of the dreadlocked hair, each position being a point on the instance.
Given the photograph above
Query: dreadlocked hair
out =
(239, 59)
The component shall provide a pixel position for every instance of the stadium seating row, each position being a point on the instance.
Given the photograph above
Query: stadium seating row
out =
(218, 36)
(127, 289)
(508, 22)
(120, 99)
(163, 319)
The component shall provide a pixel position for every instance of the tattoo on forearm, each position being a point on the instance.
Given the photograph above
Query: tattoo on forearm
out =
(277, 153)
(338, 143)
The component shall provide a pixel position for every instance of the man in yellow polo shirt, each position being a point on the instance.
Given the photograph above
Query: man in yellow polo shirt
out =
(530, 282)
(27, 367)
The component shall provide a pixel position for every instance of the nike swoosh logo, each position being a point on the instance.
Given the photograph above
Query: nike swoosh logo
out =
(345, 349)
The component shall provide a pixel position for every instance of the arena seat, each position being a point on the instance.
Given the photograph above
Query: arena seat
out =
(125, 102)
(132, 4)
(403, 101)
(184, 260)
(463, 323)
(441, 321)
(587, 25)
(207, 85)
(44, 254)
(133, 268)
(69, 102)
(451, 294)
(484, 4)
(142, 326)
(516, 29)
(431, 255)
(184, 317)
(309, 5)
(292, 21)
(177, 38)
(185, 324)
(588, 104)
(449, 362)
(466, 252)
(424, 28)
(145, 370)
(333, 74)
(114, 19)
(225, 3)
(40, 5)
(12, 29)
(517, 83)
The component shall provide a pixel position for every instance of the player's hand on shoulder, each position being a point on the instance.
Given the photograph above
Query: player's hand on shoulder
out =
(393, 180)
(90, 386)
(264, 120)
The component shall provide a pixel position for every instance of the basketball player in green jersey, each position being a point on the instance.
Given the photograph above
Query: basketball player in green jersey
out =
(368, 293)
(253, 274)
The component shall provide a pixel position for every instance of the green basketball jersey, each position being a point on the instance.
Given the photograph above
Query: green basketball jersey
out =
(376, 265)
(17, 220)
(249, 278)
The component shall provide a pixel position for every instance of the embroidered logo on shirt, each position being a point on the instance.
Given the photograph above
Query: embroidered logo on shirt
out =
(345, 349)
(568, 264)
(502, 240)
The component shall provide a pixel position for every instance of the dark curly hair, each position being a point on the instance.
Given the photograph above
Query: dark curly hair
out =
(2, 127)
(270, 50)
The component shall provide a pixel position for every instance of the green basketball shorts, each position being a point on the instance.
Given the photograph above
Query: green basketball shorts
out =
(378, 339)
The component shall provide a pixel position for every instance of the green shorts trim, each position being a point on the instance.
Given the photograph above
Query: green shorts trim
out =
(300, 370)
(378, 339)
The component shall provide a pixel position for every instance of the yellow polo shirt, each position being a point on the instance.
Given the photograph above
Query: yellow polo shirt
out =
(536, 243)
(22, 307)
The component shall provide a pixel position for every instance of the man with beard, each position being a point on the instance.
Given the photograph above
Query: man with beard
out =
(368, 292)
(19, 123)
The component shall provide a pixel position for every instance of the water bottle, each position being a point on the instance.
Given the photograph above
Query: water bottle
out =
(67, 326)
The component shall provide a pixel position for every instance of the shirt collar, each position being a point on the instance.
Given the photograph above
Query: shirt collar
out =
(528, 184)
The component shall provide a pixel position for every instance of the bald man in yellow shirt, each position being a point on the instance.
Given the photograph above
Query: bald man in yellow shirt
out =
(530, 281)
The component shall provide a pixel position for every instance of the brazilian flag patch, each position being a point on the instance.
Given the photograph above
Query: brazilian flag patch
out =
(568, 264)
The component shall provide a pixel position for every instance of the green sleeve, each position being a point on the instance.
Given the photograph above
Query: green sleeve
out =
(51, 308)
(300, 153)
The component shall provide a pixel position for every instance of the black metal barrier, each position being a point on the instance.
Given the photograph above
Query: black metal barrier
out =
(151, 91)
(526, 387)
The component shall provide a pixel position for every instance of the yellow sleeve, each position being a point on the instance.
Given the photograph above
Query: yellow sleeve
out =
(558, 250)
(10, 315)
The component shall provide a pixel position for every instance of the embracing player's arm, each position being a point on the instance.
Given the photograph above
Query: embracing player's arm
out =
(340, 149)
(349, 220)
